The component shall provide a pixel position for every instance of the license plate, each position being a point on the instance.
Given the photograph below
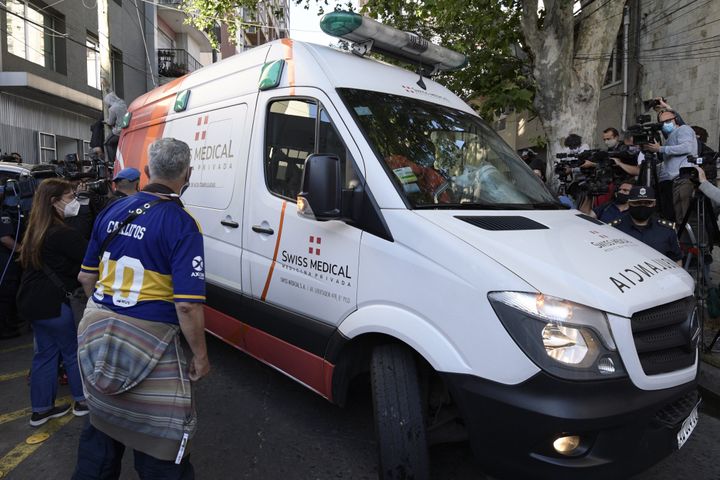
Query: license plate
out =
(687, 427)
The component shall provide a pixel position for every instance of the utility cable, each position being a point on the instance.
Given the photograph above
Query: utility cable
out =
(142, 33)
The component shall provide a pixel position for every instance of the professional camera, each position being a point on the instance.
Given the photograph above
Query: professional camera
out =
(645, 131)
(93, 172)
(709, 166)
(593, 180)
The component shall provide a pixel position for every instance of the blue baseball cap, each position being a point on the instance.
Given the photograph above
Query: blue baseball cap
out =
(130, 174)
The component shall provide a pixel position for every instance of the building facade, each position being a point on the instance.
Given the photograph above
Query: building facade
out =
(671, 52)
(50, 87)
(270, 22)
(180, 48)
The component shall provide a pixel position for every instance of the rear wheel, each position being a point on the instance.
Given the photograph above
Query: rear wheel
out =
(399, 418)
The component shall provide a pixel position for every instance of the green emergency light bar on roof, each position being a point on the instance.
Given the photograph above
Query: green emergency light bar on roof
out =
(369, 35)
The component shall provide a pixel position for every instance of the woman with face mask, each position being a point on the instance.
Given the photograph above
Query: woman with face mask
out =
(50, 256)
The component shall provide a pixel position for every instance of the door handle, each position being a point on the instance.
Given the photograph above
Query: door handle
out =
(230, 223)
(261, 229)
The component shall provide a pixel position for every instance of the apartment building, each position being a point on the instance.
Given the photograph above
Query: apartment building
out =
(270, 22)
(179, 47)
(50, 89)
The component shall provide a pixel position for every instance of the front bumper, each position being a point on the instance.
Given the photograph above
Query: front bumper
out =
(624, 429)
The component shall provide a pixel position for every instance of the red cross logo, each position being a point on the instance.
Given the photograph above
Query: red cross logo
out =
(202, 129)
(316, 249)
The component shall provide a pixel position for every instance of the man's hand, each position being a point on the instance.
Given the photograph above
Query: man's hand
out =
(653, 147)
(701, 174)
(192, 324)
(199, 367)
(662, 104)
(88, 281)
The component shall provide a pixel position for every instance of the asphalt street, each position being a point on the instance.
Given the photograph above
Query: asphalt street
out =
(257, 424)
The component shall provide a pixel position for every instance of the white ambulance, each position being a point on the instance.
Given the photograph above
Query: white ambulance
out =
(359, 218)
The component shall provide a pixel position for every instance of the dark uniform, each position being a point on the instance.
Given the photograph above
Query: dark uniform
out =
(11, 277)
(608, 212)
(658, 233)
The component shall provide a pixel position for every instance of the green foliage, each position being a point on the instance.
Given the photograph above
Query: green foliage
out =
(487, 31)
(205, 15)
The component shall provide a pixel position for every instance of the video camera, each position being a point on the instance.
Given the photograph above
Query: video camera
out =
(593, 180)
(93, 172)
(18, 193)
(645, 131)
(709, 166)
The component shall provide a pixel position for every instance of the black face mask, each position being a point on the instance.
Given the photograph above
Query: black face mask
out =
(621, 198)
(641, 213)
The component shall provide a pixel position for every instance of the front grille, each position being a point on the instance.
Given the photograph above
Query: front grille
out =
(665, 336)
(676, 412)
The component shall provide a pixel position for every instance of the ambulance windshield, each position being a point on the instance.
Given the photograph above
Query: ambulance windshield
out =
(441, 157)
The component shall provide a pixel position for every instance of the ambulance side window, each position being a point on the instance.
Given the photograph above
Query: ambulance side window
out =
(290, 138)
(294, 131)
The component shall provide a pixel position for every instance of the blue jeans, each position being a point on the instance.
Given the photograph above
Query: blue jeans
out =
(100, 458)
(54, 337)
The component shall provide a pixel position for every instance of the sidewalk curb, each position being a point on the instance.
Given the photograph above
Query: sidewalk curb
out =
(709, 384)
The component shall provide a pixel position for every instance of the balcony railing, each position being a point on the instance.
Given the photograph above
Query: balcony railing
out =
(175, 62)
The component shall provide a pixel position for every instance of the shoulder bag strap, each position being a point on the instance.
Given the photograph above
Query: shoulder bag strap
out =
(56, 280)
(133, 215)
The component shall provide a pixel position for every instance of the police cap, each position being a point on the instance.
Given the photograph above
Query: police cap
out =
(640, 192)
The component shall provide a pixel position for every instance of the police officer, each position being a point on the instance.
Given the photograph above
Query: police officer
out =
(9, 270)
(640, 223)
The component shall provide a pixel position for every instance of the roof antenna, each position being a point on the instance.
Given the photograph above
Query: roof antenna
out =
(421, 82)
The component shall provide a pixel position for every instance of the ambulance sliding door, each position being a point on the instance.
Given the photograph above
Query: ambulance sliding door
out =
(218, 147)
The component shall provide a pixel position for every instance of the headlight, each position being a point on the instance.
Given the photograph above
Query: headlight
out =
(563, 338)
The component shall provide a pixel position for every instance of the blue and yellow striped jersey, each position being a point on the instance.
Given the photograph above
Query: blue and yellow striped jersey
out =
(155, 261)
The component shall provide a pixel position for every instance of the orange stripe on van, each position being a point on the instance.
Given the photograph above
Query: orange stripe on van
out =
(277, 247)
(288, 44)
(134, 143)
(312, 371)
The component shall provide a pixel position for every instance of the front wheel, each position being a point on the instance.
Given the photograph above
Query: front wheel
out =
(399, 419)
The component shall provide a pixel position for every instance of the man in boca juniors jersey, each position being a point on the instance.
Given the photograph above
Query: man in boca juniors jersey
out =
(144, 283)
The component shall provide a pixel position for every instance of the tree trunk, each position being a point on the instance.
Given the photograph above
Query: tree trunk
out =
(569, 69)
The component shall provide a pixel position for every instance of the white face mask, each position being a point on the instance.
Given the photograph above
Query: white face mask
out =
(72, 208)
(611, 143)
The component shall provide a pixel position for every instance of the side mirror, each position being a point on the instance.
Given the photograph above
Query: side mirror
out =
(320, 196)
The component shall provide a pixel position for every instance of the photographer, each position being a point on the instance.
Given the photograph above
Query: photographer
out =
(641, 224)
(611, 138)
(615, 208)
(675, 193)
(536, 164)
(127, 182)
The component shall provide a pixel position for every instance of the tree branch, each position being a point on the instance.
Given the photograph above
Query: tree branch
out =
(529, 21)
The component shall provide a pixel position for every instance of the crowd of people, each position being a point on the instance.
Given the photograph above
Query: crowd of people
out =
(654, 184)
(67, 283)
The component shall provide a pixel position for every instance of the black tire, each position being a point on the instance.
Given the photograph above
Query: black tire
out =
(399, 419)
